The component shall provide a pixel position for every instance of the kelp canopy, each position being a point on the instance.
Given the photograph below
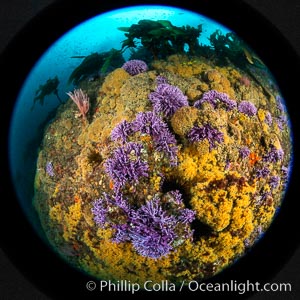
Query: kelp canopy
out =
(162, 38)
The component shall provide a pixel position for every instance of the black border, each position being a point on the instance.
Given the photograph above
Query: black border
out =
(24, 248)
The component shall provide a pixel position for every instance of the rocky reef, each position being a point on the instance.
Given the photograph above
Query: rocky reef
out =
(178, 169)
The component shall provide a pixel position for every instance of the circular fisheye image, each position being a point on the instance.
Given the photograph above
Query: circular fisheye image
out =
(159, 149)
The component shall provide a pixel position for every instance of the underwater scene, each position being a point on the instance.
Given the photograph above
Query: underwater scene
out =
(150, 143)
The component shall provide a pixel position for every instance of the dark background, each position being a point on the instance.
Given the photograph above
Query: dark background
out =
(14, 14)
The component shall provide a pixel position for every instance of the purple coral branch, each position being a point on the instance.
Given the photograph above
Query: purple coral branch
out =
(262, 173)
(187, 216)
(164, 140)
(274, 182)
(100, 209)
(121, 233)
(274, 155)
(152, 232)
(213, 135)
(176, 197)
(247, 108)
(126, 165)
(166, 99)
(135, 66)
(268, 118)
(213, 97)
(149, 123)
(121, 131)
(161, 79)
(282, 121)
(244, 152)
(50, 169)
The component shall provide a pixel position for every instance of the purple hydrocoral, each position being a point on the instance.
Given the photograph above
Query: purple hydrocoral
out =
(121, 131)
(285, 172)
(282, 121)
(262, 197)
(213, 96)
(247, 108)
(176, 197)
(152, 231)
(166, 99)
(187, 216)
(244, 152)
(213, 135)
(121, 233)
(126, 165)
(273, 155)
(164, 140)
(50, 169)
(262, 173)
(100, 209)
(280, 103)
(149, 123)
(135, 66)
(274, 181)
(119, 201)
(161, 79)
(268, 118)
